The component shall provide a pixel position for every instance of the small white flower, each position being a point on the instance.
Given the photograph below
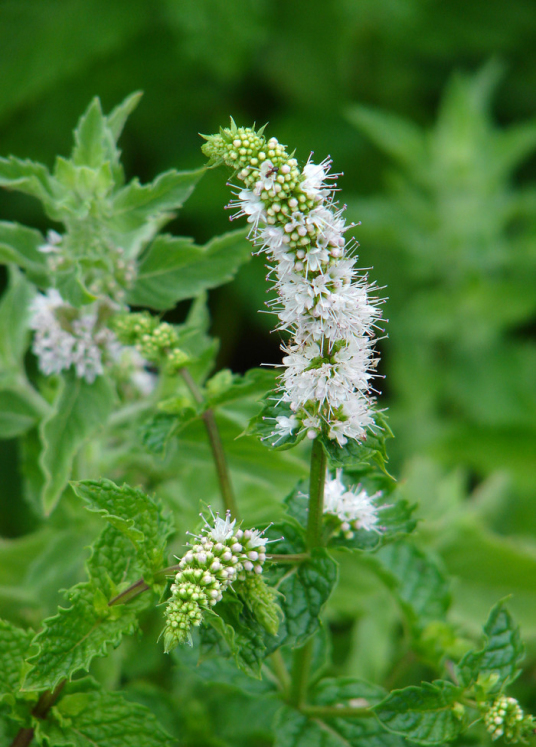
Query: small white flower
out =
(223, 529)
(53, 242)
(355, 508)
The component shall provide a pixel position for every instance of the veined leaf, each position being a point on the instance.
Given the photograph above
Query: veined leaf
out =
(415, 579)
(175, 268)
(101, 719)
(168, 192)
(500, 656)
(134, 514)
(14, 644)
(19, 245)
(429, 714)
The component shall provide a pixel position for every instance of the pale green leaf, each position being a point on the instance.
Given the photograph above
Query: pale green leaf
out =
(19, 245)
(119, 115)
(89, 135)
(17, 414)
(79, 411)
(14, 312)
(167, 192)
(175, 268)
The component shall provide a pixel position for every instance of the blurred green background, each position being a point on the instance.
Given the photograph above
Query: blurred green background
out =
(429, 109)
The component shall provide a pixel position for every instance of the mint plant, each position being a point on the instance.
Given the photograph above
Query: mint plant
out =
(117, 395)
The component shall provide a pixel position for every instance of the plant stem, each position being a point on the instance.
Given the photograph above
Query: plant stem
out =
(302, 657)
(300, 674)
(280, 670)
(216, 445)
(341, 711)
(299, 557)
(317, 481)
(24, 736)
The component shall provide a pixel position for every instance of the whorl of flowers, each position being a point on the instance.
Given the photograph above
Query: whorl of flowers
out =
(506, 719)
(295, 220)
(67, 337)
(221, 555)
(353, 508)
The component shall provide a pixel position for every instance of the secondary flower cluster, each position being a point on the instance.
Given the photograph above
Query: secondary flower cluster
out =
(221, 555)
(505, 718)
(155, 341)
(295, 220)
(67, 337)
(353, 508)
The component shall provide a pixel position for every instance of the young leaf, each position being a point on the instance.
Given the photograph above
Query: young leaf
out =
(31, 178)
(14, 643)
(89, 134)
(429, 714)
(175, 268)
(225, 387)
(134, 514)
(263, 424)
(415, 579)
(118, 116)
(500, 657)
(101, 719)
(356, 454)
(79, 411)
(19, 245)
(14, 321)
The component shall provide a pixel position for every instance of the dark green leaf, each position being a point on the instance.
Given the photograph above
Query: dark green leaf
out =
(72, 638)
(430, 714)
(175, 268)
(79, 411)
(500, 657)
(226, 386)
(134, 514)
(358, 454)
(14, 644)
(101, 719)
(415, 579)
(263, 424)
(305, 587)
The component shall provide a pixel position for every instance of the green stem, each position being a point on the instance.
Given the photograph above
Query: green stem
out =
(299, 557)
(280, 670)
(302, 657)
(334, 711)
(300, 674)
(216, 445)
(24, 736)
(317, 481)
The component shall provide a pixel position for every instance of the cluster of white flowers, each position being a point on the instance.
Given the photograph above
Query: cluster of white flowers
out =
(66, 337)
(220, 556)
(354, 508)
(329, 362)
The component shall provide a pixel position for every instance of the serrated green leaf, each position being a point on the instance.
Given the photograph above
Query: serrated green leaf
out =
(304, 588)
(89, 137)
(29, 177)
(101, 719)
(167, 192)
(119, 115)
(19, 245)
(14, 644)
(294, 729)
(358, 454)
(75, 635)
(395, 521)
(500, 657)
(175, 268)
(79, 411)
(429, 714)
(415, 579)
(134, 514)
(242, 633)
(263, 424)
(226, 387)
(157, 432)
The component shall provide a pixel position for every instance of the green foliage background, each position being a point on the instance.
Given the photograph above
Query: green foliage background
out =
(429, 108)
